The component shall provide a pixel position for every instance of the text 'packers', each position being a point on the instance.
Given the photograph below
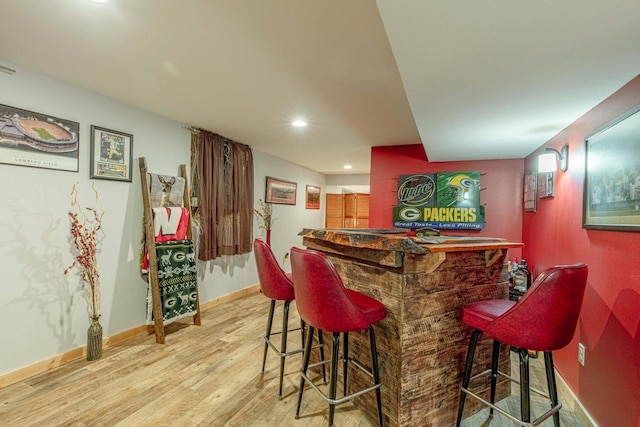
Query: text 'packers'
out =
(450, 214)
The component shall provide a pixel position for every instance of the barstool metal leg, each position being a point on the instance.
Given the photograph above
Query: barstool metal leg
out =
(525, 400)
(333, 379)
(495, 358)
(267, 334)
(321, 344)
(305, 365)
(283, 343)
(376, 371)
(466, 376)
(551, 383)
(345, 362)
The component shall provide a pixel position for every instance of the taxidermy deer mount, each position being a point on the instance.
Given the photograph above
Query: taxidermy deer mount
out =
(166, 191)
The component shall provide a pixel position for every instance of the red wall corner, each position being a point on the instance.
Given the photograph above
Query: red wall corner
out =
(501, 181)
(609, 327)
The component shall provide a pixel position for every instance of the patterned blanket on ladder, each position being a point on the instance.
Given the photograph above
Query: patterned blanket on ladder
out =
(177, 279)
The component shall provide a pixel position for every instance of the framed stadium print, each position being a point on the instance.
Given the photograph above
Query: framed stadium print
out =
(611, 199)
(280, 191)
(38, 140)
(111, 154)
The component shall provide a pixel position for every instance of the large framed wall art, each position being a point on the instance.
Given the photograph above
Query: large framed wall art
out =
(111, 154)
(611, 198)
(280, 191)
(38, 140)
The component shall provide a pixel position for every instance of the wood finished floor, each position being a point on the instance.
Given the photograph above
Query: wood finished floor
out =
(204, 375)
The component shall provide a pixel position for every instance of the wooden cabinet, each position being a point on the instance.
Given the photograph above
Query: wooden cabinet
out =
(334, 211)
(348, 210)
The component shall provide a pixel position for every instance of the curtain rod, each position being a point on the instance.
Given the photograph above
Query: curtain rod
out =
(7, 70)
(224, 138)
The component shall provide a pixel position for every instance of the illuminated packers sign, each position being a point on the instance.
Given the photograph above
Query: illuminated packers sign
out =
(448, 200)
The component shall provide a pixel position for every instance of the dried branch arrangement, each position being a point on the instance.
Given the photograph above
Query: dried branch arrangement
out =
(83, 234)
(265, 213)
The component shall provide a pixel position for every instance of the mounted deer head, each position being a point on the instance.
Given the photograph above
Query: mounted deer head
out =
(166, 190)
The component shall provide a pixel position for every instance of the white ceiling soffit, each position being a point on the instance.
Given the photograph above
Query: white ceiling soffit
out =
(242, 69)
(484, 79)
(496, 79)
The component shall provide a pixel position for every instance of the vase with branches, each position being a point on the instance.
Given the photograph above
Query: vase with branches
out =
(83, 235)
(265, 218)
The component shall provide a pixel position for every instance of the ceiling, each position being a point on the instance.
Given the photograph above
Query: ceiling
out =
(468, 79)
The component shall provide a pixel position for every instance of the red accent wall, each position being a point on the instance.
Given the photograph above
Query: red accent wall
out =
(501, 184)
(609, 383)
(608, 386)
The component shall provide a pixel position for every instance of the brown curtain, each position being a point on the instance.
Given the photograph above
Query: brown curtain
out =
(226, 197)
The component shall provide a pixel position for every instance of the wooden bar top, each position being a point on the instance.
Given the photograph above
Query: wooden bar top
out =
(396, 239)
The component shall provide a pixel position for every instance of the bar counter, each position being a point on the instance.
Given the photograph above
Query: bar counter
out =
(422, 344)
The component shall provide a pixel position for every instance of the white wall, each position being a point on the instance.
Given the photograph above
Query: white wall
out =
(288, 220)
(42, 311)
(353, 183)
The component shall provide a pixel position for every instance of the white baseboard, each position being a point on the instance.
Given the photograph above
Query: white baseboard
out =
(569, 399)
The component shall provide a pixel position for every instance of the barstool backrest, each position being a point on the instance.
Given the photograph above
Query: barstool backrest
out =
(274, 282)
(321, 297)
(545, 318)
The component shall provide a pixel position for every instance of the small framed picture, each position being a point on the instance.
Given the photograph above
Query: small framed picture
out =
(530, 191)
(111, 154)
(280, 192)
(313, 197)
(546, 185)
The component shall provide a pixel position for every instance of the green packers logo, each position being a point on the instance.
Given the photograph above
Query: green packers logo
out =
(459, 186)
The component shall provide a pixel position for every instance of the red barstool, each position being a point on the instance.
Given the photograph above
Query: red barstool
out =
(277, 285)
(544, 319)
(324, 303)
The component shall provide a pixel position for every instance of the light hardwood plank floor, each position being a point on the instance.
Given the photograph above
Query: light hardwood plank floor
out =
(204, 375)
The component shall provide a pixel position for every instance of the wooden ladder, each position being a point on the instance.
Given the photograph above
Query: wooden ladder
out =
(149, 233)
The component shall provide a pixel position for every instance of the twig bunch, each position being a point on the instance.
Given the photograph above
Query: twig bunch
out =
(265, 213)
(83, 235)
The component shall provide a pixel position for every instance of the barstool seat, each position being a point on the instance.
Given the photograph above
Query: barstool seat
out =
(323, 302)
(372, 309)
(544, 319)
(479, 314)
(277, 285)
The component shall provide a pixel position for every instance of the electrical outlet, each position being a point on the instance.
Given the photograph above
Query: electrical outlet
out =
(581, 352)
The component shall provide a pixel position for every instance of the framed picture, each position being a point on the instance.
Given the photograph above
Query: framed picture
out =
(111, 154)
(38, 140)
(546, 184)
(313, 197)
(280, 192)
(530, 186)
(611, 199)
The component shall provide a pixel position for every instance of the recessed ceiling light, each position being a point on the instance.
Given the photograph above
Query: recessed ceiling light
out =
(99, 1)
(347, 166)
(299, 123)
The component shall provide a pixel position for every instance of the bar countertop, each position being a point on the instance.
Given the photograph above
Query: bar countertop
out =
(397, 239)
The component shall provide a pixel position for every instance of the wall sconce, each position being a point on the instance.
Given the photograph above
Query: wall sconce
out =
(547, 161)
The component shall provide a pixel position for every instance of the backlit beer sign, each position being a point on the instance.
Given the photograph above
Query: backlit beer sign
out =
(449, 200)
